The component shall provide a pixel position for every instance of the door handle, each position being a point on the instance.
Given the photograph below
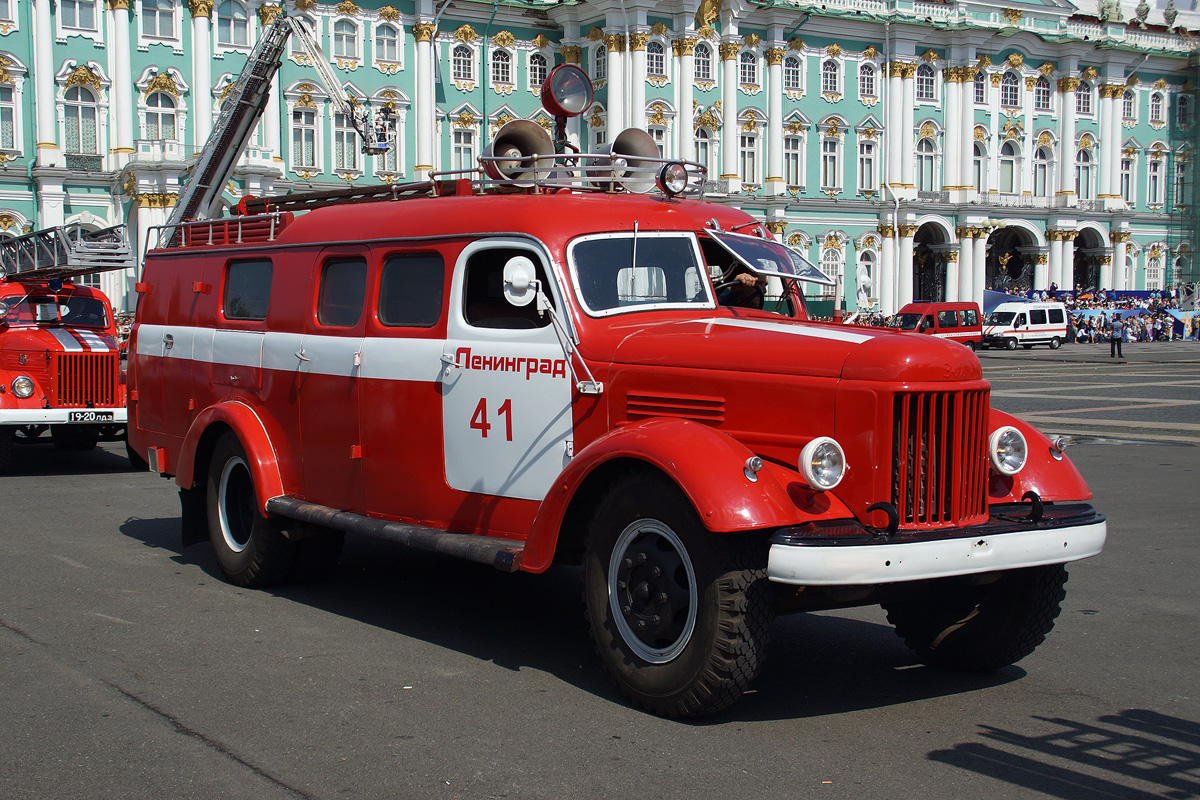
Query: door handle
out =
(168, 341)
(300, 355)
(451, 361)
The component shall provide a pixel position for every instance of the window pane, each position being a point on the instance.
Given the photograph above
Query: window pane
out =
(411, 290)
(247, 290)
(343, 287)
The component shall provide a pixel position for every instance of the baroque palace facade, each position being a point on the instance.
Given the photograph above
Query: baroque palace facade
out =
(915, 150)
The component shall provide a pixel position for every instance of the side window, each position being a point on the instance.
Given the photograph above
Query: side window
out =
(927, 323)
(948, 319)
(970, 318)
(1056, 316)
(484, 304)
(343, 287)
(410, 290)
(247, 290)
(1021, 320)
(1037, 316)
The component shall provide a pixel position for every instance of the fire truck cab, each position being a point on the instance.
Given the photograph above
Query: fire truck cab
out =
(532, 377)
(60, 370)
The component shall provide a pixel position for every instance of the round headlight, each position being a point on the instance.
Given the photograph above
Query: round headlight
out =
(22, 386)
(1008, 450)
(822, 463)
(672, 178)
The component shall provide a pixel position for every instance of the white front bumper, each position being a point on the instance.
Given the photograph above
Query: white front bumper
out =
(866, 564)
(59, 416)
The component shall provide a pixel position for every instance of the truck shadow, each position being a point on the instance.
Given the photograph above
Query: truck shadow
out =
(819, 664)
(41, 458)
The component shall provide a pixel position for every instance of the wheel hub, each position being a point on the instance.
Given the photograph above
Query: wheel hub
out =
(652, 591)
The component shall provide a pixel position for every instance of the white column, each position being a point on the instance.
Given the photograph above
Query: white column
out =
(887, 272)
(1116, 134)
(950, 151)
(967, 136)
(122, 86)
(49, 154)
(895, 132)
(202, 111)
(617, 121)
(980, 267)
(904, 266)
(1041, 272)
(951, 290)
(1068, 261)
(1120, 240)
(1056, 252)
(729, 114)
(966, 266)
(1104, 167)
(1066, 138)
(908, 142)
(424, 33)
(271, 125)
(637, 80)
(685, 70)
(774, 143)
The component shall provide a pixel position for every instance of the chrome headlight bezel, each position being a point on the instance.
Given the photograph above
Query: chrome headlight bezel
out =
(1008, 450)
(23, 386)
(823, 463)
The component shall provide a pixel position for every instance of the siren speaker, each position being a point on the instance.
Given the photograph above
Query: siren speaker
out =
(628, 165)
(515, 148)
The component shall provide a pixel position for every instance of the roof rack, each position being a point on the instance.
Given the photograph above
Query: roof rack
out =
(66, 251)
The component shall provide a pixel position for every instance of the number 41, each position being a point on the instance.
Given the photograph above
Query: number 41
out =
(479, 421)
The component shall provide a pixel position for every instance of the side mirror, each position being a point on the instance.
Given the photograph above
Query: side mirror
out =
(520, 281)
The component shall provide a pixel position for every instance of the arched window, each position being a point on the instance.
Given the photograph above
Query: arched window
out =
(1129, 105)
(865, 277)
(1154, 272)
(160, 116)
(791, 73)
(1180, 268)
(158, 18)
(978, 167)
(538, 70)
(925, 82)
(1183, 107)
(703, 56)
(387, 44)
(703, 141)
(233, 24)
(866, 80)
(462, 63)
(295, 46)
(501, 66)
(829, 76)
(656, 61)
(1041, 172)
(81, 115)
(600, 63)
(748, 69)
(925, 164)
(1083, 174)
(1008, 168)
(1156, 108)
(831, 265)
(980, 87)
(1041, 94)
(345, 39)
(1010, 90)
(1083, 98)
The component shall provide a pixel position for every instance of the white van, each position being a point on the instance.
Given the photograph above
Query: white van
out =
(1025, 324)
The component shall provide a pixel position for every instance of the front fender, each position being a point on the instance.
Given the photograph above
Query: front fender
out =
(705, 463)
(1054, 481)
(250, 431)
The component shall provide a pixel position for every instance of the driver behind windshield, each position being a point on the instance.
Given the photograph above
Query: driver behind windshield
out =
(743, 289)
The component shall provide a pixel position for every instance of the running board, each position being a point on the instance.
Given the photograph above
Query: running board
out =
(503, 554)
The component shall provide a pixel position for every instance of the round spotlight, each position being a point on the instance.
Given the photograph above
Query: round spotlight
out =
(672, 178)
(1007, 450)
(567, 91)
(823, 463)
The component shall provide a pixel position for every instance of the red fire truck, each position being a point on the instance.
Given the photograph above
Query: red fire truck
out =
(60, 370)
(549, 362)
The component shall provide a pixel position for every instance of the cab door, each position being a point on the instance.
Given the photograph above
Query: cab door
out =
(506, 386)
(329, 362)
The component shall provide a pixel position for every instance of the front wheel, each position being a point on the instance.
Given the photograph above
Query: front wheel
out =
(250, 548)
(1010, 344)
(680, 615)
(971, 344)
(978, 628)
(1055, 343)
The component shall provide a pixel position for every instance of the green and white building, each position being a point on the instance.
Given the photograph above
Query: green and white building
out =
(914, 149)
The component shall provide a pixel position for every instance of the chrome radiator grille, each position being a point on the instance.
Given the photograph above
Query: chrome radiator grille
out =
(939, 457)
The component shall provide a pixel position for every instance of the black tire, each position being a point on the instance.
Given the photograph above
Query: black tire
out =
(971, 344)
(6, 447)
(1010, 344)
(136, 462)
(955, 625)
(317, 552)
(251, 549)
(1055, 343)
(704, 617)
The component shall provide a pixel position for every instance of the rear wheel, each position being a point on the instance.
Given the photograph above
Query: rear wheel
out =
(680, 615)
(953, 624)
(971, 344)
(250, 548)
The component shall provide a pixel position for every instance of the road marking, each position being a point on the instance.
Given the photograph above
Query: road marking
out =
(110, 619)
(69, 562)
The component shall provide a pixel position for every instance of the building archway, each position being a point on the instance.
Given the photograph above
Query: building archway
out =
(1010, 259)
(930, 246)
(1089, 249)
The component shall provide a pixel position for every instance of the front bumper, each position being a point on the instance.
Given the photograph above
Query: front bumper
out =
(809, 555)
(62, 416)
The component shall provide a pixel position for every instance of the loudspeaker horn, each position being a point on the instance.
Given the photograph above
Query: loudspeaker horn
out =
(627, 164)
(514, 147)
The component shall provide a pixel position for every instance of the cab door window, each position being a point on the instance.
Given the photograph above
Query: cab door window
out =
(484, 303)
(970, 318)
(343, 288)
(1020, 321)
(247, 290)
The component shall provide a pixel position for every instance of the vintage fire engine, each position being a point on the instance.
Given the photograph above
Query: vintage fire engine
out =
(535, 365)
(59, 366)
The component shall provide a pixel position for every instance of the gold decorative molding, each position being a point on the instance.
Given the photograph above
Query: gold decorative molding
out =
(267, 13)
(834, 50)
(1090, 74)
(1119, 237)
(1044, 139)
(869, 132)
(1087, 142)
(82, 75)
(929, 56)
(908, 231)
(776, 226)
(571, 53)
(306, 5)
(1161, 83)
(729, 50)
(1030, 82)
(466, 34)
(1041, 258)
(347, 8)
(886, 231)
(997, 78)
(868, 241)
(951, 257)
(983, 63)
(684, 46)
(794, 127)
(774, 56)
(162, 82)
(638, 41)
(540, 41)
(305, 101)
(1046, 69)
(117, 5)
(596, 121)
(615, 42)
(1068, 84)
(465, 120)
(595, 35)
(659, 29)
(796, 239)
(1015, 60)
(503, 39)
(750, 126)
(706, 32)
(155, 199)
(657, 115)
(708, 11)
(796, 43)
(831, 243)
(980, 133)
(202, 8)
(927, 130)
(1013, 15)
(389, 14)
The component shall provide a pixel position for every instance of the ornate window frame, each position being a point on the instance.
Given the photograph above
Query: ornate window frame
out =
(925, 88)
(145, 40)
(749, 67)
(307, 95)
(466, 79)
(219, 47)
(499, 60)
(13, 74)
(708, 82)
(1043, 89)
(393, 98)
(387, 66)
(870, 97)
(532, 78)
(354, 60)
(170, 82)
(96, 33)
(92, 75)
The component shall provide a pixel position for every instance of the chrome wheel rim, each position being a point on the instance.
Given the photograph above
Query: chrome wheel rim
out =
(652, 591)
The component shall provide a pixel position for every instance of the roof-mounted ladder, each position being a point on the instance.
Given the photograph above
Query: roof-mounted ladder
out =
(66, 252)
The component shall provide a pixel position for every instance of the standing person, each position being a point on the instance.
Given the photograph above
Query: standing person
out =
(1116, 332)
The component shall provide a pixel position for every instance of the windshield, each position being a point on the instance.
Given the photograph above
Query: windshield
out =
(53, 310)
(768, 257)
(905, 322)
(1000, 317)
(665, 274)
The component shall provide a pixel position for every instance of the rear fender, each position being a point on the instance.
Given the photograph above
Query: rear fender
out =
(250, 431)
(706, 464)
(1053, 480)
